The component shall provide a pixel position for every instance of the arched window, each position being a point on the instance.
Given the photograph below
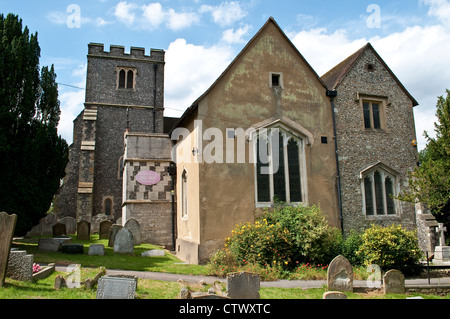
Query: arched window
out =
(184, 195)
(122, 79)
(379, 191)
(279, 155)
(130, 78)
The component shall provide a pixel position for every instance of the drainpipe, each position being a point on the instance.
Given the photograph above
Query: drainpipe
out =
(155, 68)
(332, 94)
(173, 174)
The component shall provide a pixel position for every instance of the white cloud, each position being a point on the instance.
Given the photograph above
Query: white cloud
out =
(439, 9)
(177, 21)
(226, 13)
(154, 14)
(231, 36)
(124, 12)
(190, 70)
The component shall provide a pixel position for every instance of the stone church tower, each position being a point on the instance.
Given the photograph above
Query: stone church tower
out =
(124, 93)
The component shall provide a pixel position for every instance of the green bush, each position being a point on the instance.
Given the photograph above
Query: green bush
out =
(284, 237)
(389, 246)
(350, 246)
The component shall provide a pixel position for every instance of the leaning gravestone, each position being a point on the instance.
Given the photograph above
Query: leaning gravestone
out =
(116, 288)
(133, 226)
(123, 242)
(59, 230)
(394, 282)
(7, 227)
(84, 230)
(71, 225)
(52, 244)
(112, 234)
(340, 275)
(105, 228)
(243, 285)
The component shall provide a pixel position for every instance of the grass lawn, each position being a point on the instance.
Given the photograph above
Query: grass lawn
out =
(147, 289)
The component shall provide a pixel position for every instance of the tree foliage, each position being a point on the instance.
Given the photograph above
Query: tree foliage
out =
(430, 182)
(32, 155)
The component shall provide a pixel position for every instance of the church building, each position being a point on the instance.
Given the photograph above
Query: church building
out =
(269, 128)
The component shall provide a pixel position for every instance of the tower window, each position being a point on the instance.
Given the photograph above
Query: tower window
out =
(126, 78)
(276, 80)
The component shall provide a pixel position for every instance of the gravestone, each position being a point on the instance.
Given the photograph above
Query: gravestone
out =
(243, 285)
(84, 230)
(72, 248)
(59, 230)
(153, 253)
(394, 282)
(20, 265)
(96, 250)
(71, 225)
(441, 252)
(112, 234)
(334, 295)
(340, 275)
(7, 227)
(104, 229)
(133, 226)
(123, 242)
(52, 244)
(116, 288)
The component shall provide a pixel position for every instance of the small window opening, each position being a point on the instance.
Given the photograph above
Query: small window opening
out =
(122, 79)
(324, 140)
(275, 80)
(370, 67)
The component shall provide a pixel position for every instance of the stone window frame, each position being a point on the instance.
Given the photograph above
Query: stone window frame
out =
(110, 198)
(382, 101)
(385, 173)
(126, 69)
(287, 135)
(280, 80)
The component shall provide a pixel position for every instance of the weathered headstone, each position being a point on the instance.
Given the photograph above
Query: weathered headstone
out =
(52, 244)
(340, 275)
(104, 229)
(441, 252)
(334, 295)
(133, 226)
(116, 288)
(84, 230)
(20, 265)
(153, 253)
(243, 285)
(394, 282)
(7, 227)
(71, 225)
(112, 234)
(123, 242)
(96, 249)
(59, 230)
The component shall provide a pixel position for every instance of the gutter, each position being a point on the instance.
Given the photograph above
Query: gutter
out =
(332, 95)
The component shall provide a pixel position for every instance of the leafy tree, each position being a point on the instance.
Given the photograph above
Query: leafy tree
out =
(32, 155)
(430, 182)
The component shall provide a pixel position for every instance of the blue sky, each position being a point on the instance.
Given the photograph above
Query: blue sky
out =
(202, 37)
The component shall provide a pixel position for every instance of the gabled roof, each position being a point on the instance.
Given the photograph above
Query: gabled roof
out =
(336, 75)
(271, 20)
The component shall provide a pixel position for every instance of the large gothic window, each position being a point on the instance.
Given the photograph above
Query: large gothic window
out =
(279, 156)
(379, 191)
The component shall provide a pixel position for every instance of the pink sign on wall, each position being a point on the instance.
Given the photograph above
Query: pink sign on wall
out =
(148, 178)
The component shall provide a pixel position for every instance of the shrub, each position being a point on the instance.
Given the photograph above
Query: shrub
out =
(389, 246)
(284, 237)
(350, 247)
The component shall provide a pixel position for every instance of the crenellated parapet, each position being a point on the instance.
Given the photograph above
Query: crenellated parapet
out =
(118, 51)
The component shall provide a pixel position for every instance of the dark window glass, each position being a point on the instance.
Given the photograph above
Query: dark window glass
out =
(379, 193)
(130, 78)
(279, 183)
(366, 108)
(275, 80)
(108, 206)
(122, 79)
(376, 116)
(389, 186)
(294, 172)
(263, 183)
(369, 197)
